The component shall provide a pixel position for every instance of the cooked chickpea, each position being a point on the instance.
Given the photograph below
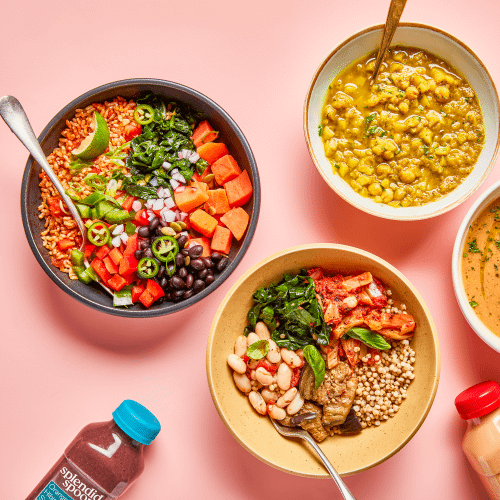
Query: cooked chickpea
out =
(375, 189)
(442, 93)
(387, 195)
(412, 92)
(407, 176)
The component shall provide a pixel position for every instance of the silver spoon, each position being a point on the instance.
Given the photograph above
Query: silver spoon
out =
(302, 434)
(393, 16)
(15, 117)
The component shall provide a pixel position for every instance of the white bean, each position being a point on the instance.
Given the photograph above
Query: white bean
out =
(263, 376)
(242, 382)
(262, 331)
(252, 363)
(300, 354)
(284, 376)
(290, 358)
(296, 404)
(253, 374)
(236, 363)
(287, 398)
(276, 412)
(257, 401)
(273, 355)
(269, 395)
(252, 338)
(240, 346)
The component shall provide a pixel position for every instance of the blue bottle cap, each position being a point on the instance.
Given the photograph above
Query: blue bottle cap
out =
(136, 421)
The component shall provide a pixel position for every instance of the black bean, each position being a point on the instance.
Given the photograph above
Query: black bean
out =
(164, 282)
(181, 240)
(138, 254)
(158, 231)
(222, 264)
(179, 260)
(189, 281)
(184, 252)
(177, 295)
(198, 286)
(203, 274)
(197, 264)
(177, 282)
(143, 232)
(160, 300)
(154, 223)
(217, 256)
(209, 279)
(144, 244)
(188, 294)
(161, 271)
(208, 262)
(182, 272)
(148, 253)
(195, 251)
(168, 296)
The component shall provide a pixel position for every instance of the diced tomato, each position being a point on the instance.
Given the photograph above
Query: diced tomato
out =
(146, 298)
(155, 289)
(116, 256)
(110, 265)
(268, 366)
(116, 282)
(132, 243)
(245, 358)
(136, 293)
(65, 243)
(127, 204)
(99, 267)
(103, 252)
(141, 218)
(55, 207)
(373, 352)
(132, 130)
(89, 248)
(128, 264)
(295, 377)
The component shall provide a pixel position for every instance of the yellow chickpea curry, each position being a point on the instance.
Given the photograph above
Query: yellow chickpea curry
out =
(481, 266)
(410, 138)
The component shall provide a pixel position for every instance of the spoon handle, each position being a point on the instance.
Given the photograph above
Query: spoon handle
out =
(393, 16)
(335, 475)
(14, 116)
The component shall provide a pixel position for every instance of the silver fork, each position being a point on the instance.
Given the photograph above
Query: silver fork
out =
(15, 117)
(302, 434)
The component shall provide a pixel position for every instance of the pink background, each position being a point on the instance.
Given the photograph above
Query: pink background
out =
(64, 365)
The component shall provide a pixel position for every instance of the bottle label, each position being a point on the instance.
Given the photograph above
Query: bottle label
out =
(71, 484)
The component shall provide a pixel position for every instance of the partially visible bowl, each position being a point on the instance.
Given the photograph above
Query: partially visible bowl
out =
(448, 48)
(348, 454)
(476, 324)
(94, 296)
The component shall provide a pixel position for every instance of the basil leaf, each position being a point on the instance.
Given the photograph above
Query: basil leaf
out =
(316, 362)
(258, 349)
(371, 339)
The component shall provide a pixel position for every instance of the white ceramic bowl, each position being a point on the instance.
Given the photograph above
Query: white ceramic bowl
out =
(444, 46)
(456, 268)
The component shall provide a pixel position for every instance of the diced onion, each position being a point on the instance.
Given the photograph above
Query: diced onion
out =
(194, 157)
(116, 241)
(175, 184)
(124, 237)
(118, 230)
(136, 206)
(166, 165)
(167, 215)
(169, 203)
(153, 181)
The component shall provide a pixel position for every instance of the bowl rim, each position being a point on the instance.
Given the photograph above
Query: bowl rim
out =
(174, 307)
(456, 268)
(351, 200)
(311, 246)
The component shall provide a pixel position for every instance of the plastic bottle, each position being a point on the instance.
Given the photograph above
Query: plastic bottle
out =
(480, 406)
(104, 459)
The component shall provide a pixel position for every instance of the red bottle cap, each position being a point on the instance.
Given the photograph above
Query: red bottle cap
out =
(478, 400)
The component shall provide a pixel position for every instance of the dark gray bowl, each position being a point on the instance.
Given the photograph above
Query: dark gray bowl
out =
(93, 295)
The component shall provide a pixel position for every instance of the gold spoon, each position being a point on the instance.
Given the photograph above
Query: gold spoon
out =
(394, 15)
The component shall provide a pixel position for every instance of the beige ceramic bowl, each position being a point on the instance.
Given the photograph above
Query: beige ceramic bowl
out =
(348, 454)
(436, 42)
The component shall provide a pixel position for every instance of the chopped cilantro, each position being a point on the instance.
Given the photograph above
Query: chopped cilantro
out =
(320, 130)
(473, 303)
(473, 247)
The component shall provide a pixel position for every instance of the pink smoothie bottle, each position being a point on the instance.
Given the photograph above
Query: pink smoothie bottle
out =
(104, 459)
(480, 407)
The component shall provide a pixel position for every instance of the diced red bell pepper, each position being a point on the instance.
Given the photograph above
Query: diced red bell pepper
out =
(155, 289)
(65, 243)
(130, 278)
(116, 282)
(146, 298)
(141, 218)
(116, 256)
(55, 207)
(128, 265)
(89, 248)
(132, 130)
(132, 243)
(99, 267)
(103, 252)
(136, 293)
(127, 204)
(110, 265)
